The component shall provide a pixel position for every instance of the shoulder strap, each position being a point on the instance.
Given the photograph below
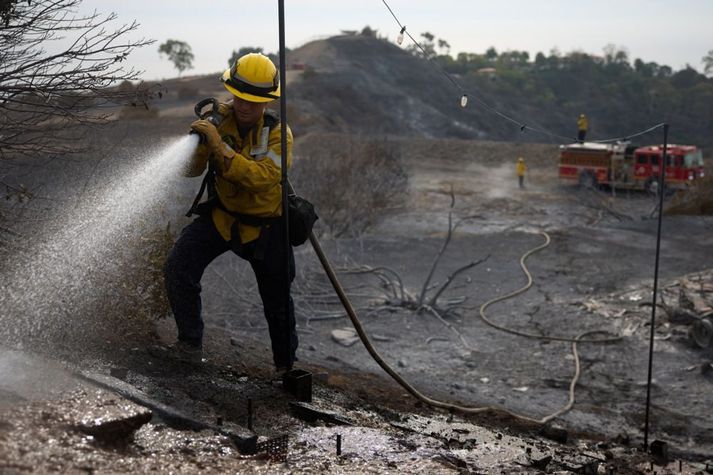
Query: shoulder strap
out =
(209, 183)
(270, 119)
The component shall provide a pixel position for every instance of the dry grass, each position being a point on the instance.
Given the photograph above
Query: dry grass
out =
(695, 201)
(352, 181)
(133, 295)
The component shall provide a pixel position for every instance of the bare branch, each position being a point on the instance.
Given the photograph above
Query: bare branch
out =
(460, 336)
(424, 290)
(452, 276)
(380, 271)
(58, 69)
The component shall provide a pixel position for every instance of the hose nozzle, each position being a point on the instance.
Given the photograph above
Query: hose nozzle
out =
(211, 115)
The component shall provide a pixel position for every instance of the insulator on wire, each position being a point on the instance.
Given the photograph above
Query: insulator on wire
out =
(400, 38)
(464, 100)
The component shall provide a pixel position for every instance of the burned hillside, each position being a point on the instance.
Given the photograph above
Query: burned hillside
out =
(361, 84)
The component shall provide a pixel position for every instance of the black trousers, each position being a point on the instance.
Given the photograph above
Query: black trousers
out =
(196, 247)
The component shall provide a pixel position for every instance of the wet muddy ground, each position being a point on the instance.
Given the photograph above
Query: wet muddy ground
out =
(378, 431)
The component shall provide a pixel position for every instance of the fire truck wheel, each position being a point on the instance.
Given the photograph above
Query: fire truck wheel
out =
(702, 332)
(587, 180)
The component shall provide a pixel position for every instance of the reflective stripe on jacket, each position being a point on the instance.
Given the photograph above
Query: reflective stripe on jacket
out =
(252, 183)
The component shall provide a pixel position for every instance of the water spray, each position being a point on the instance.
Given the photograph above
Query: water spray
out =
(56, 291)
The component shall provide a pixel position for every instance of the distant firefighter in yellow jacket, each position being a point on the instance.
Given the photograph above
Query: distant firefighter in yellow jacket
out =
(520, 169)
(582, 126)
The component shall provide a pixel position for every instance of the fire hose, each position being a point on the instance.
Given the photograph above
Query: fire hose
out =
(351, 313)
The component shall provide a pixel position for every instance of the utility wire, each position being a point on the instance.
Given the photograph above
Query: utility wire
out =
(521, 125)
(394, 15)
(637, 134)
(662, 191)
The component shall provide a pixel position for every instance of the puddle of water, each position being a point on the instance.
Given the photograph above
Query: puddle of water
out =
(29, 378)
(363, 449)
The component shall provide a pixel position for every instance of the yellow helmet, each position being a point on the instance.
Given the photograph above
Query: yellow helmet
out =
(253, 78)
(520, 159)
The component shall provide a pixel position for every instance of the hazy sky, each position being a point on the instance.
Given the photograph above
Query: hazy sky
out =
(666, 31)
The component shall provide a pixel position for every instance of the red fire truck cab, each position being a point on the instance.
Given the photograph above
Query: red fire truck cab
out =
(622, 165)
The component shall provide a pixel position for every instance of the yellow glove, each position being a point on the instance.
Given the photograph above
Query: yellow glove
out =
(209, 134)
(221, 153)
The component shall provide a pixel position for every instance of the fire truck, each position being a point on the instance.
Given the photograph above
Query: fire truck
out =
(623, 165)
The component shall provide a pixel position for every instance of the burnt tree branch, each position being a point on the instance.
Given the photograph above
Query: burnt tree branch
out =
(449, 234)
(58, 69)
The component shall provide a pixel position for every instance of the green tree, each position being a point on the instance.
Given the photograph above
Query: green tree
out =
(428, 47)
(444, 46)
(491, 54)
(648, 70)
(553, 60)
(708, 63)
(368, 31)
(686, 78)
(513, 59)
(665, 71)
(616, 58)
(179, 53)
(235, 55)
(465, 62)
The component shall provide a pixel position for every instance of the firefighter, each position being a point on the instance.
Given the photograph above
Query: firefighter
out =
(520, 169)
(582, 126)
(243, 156)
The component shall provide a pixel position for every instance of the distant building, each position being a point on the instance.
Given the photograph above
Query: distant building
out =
(488, 72)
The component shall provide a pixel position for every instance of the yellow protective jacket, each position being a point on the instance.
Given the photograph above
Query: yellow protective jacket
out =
(582, 123)
(252, 183)
(520, 168)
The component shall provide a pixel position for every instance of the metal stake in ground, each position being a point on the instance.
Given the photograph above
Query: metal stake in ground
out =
(662, 183)
(339, 444)
(283, 144)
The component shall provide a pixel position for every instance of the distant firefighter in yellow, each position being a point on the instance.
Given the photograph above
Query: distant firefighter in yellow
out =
(582, 126)
(520, 169)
